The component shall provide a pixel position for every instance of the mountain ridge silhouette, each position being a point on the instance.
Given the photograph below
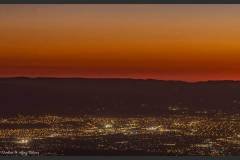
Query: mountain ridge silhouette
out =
(116, 96)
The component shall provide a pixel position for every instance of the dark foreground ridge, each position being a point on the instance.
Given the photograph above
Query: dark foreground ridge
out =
(116, 97)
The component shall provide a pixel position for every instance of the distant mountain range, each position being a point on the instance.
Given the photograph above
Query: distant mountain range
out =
(116, 97)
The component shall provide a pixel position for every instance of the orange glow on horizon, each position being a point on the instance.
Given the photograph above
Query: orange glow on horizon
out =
(179, 42)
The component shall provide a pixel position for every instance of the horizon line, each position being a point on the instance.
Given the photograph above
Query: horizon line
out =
(116, 78)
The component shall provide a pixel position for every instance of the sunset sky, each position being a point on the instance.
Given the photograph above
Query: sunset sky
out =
(174, 42)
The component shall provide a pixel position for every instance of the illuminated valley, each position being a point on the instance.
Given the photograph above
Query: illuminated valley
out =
(165, 135)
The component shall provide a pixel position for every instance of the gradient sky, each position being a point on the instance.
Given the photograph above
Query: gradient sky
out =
(178, 42)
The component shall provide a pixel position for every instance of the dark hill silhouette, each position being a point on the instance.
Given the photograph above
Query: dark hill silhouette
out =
(122, 97)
